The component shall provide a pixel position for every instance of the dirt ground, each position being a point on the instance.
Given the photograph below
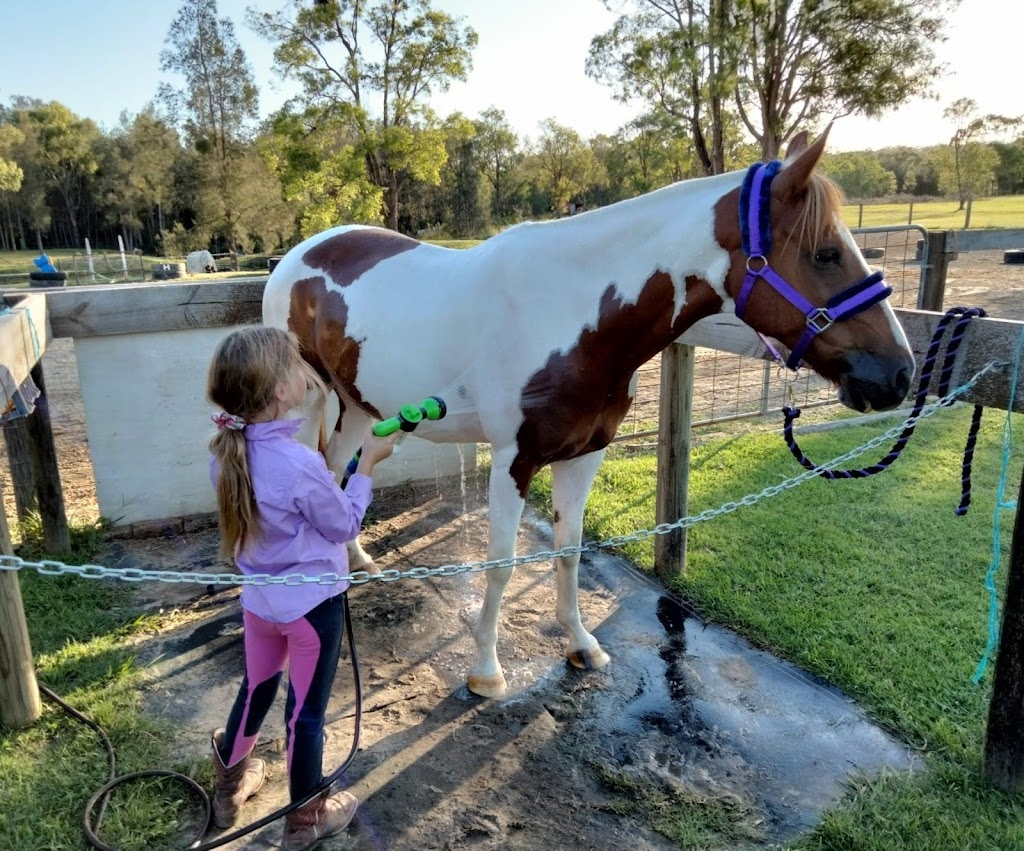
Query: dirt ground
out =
(440, 768)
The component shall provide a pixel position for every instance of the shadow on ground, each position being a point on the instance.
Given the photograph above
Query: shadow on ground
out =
(685, 708)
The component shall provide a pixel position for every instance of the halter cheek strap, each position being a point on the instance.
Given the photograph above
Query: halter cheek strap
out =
(756, 236)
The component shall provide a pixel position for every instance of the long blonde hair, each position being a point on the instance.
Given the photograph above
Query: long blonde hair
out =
(246, 369)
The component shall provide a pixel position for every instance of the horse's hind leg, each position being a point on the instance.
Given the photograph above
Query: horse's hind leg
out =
(341, 446)
(505, 510)
(570, 484)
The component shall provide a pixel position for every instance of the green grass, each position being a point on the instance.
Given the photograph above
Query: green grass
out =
(81, 635)
(872, 584)
(1003, 212)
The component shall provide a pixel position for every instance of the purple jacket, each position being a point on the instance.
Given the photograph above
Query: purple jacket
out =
(306, 520)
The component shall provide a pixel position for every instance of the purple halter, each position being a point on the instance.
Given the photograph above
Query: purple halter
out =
(756, 234)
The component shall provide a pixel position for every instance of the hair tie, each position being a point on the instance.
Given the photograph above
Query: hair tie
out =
(230, 421)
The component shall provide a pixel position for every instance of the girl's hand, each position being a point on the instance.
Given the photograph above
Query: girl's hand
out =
(374, 450)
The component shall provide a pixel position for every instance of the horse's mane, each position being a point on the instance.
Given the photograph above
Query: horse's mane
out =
(822, 209)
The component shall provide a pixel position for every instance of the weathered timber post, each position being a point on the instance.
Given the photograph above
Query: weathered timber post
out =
(19, 454)
(674, 419)
(1004, 738)
(933, 271)
(19, 693)
(56, 538)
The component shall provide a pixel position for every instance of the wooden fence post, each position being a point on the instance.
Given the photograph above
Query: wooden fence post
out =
(674, 418)
(19, 454)
(1004, 738)
(19, 693)
(56, 537)
(933, 271)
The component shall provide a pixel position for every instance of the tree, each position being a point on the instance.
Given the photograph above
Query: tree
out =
(565, 164)
(971, 168)
(65, 154)
(462, 179)
(859, 174)
(904, 163)
(136, 175)
(501, 158)
(678, 55)
(415, 50)
(783, 65)
(1010, 171)
(322, 172)
(215, 107)
(966, 173)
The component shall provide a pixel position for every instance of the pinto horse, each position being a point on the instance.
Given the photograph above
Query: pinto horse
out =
(534, 336)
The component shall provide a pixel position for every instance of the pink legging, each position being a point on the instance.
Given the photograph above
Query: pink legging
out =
(311, 646)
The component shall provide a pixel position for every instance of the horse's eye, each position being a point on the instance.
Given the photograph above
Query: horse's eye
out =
(827, 256)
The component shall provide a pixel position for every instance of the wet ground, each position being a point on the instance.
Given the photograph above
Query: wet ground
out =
(685, 709)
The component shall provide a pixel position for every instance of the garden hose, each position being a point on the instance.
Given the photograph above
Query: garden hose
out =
(91, 822)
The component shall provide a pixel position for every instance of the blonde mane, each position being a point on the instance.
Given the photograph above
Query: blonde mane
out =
(822, 209)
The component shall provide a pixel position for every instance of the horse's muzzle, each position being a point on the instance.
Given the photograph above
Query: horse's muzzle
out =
(875, 382)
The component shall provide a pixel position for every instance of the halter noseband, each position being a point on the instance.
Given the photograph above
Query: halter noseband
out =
(756, 235)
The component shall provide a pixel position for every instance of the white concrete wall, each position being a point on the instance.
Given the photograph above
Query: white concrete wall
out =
(148, 424)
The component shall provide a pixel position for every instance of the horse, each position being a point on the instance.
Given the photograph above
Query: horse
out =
(536, 335)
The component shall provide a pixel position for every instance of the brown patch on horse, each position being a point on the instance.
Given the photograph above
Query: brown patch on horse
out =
(576, 402)
(347, 256)
(318, 316)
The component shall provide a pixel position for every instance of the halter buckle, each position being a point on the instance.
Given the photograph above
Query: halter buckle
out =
(759, 269)
(820, 320)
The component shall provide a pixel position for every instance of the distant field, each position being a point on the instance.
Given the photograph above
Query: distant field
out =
(1003, 212)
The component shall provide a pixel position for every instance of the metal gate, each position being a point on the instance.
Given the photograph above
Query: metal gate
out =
(730, 387)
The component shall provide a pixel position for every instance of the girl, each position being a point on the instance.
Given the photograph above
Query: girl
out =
(281, 512)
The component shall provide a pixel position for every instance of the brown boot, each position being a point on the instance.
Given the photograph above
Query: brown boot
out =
(234, 785)
(322, 817)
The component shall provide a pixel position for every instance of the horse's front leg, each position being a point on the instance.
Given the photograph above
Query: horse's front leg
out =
(505, 510)
(570, 484)
(347, 437)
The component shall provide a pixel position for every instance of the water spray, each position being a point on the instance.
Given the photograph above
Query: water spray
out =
(409, 416)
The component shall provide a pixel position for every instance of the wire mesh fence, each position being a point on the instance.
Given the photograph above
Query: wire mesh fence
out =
(730, 387)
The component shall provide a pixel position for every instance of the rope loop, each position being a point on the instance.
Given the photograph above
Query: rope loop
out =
(963, 315)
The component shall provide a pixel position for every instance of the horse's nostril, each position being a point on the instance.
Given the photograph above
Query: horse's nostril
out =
(903, 381)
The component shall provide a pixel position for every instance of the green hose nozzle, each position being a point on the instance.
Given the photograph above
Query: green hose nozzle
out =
(410, 416)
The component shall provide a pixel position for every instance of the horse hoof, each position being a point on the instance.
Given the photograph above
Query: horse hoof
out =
(589, 660)
(493, 686)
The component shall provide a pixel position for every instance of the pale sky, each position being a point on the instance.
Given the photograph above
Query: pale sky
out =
(102, 57)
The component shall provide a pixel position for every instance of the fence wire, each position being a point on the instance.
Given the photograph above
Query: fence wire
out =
(731, 387)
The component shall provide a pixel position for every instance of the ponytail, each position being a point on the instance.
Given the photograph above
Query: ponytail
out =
(243, 375)
(239, 518)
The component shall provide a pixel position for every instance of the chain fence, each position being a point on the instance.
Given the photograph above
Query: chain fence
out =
(48, 567)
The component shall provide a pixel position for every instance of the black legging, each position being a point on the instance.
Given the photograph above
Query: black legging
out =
(311, 645)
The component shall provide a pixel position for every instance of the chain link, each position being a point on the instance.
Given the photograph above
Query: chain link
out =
(48, 567)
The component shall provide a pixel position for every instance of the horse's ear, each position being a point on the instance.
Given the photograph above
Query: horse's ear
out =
(796, 170)
(796, 145)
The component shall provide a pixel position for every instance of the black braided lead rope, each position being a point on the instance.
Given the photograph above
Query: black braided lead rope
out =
(965, 314)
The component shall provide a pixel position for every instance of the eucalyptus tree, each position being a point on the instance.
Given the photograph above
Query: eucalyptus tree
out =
(216, 108)
(63, 148)
(373, 66)
(566, 165)
(501, 156)
(778, 66)
(969, 168)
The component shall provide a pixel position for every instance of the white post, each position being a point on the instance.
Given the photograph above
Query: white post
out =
(124, 263)
(88, 258)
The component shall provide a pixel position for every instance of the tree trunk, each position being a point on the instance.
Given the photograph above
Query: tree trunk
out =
(391, 201)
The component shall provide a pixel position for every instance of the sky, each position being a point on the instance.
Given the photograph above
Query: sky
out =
(103, 57)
